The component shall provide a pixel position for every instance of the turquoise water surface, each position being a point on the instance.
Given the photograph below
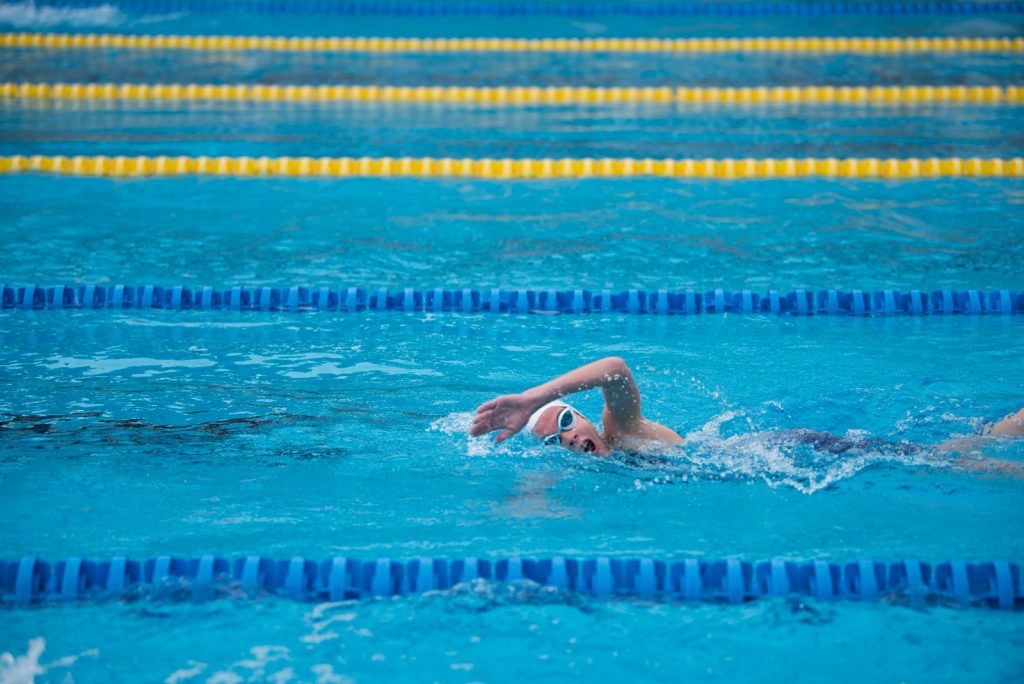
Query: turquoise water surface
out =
(149, 432)
(811, 233)
(143, 433)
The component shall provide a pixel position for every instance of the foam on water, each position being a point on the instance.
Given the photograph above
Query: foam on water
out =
(100, 366)
(24, 669)
(457, 425)
(183, 674)
(776, 462)
(362, 367)
(28, 15)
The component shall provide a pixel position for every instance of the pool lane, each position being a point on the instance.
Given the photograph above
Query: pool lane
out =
(461, 130)
(328, 434)
(776, 234)
(495, 69)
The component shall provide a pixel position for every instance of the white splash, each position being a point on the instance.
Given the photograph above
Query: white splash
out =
(457, 425)
(27, 14)
(256, 668)
(193, 670)
(23, 669)
(361, 367)
(103, 366)
(324, 617)
(764, 456)
(325, 674)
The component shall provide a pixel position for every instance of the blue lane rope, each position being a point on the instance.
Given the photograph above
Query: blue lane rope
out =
(577, 301)
(533, 8)
(31, 580)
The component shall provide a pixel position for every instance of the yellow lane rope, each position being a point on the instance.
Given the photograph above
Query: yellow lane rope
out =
(895, 44)
(348, 167)
(515, 95)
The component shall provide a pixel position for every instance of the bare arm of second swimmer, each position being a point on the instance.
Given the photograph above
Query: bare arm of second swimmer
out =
(510, 413)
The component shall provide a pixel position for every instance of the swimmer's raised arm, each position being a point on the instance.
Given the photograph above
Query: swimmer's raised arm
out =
(510, 412)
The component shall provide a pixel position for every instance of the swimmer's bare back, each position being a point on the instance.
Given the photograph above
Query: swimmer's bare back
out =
(1010, 426)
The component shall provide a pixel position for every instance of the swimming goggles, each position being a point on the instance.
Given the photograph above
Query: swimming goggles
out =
(566, 421)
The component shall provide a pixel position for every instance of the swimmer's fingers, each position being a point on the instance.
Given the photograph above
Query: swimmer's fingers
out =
(491, 421)
(487, 406)
(482, 417)
(482, 423)
(482, 411)
(512, 427)
(508, 412)
(505, 434)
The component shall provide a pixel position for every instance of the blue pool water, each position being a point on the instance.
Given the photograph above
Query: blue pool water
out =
(475, 131)
(813, 234)
(525, 69)
(145, 432)
(328, 434)
(114, 18)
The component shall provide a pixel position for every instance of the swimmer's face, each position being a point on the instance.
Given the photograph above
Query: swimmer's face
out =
(582, 438)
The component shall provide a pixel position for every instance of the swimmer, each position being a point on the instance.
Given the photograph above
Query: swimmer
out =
(555, 422)
(542, 411)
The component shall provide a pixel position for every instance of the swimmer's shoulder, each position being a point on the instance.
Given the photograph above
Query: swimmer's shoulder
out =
(650, 438)
(658, 432)
(642, 429)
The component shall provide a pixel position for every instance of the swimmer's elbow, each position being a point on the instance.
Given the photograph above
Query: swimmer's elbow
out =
(616, 366)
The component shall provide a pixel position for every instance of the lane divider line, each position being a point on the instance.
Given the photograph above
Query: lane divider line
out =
(518, 301)
(901, 45)
(507, 169)
(31, 580)
(513, 95)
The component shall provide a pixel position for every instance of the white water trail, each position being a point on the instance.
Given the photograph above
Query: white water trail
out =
(457, 425)
(23, 669)
(777, 459)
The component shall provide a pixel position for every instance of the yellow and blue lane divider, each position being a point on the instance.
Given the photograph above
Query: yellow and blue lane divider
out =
(516, 95)
(666, 302)
(31, 580)
(902, 45)
(518, 168)
(576, 8)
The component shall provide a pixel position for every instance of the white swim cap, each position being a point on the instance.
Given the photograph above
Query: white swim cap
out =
(532, 423)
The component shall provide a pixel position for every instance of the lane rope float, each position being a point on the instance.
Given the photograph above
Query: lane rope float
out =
(514, 95)
(945, 302)
(30, 580)
(508, 169)
(532, 8)
(852, 45)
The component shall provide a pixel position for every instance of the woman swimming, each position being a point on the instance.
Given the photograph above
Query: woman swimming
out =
(543, 413)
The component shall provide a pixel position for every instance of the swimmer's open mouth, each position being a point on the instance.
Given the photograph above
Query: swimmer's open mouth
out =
(589, 447)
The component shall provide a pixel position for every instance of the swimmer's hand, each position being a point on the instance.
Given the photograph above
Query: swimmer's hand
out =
(508, 413)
